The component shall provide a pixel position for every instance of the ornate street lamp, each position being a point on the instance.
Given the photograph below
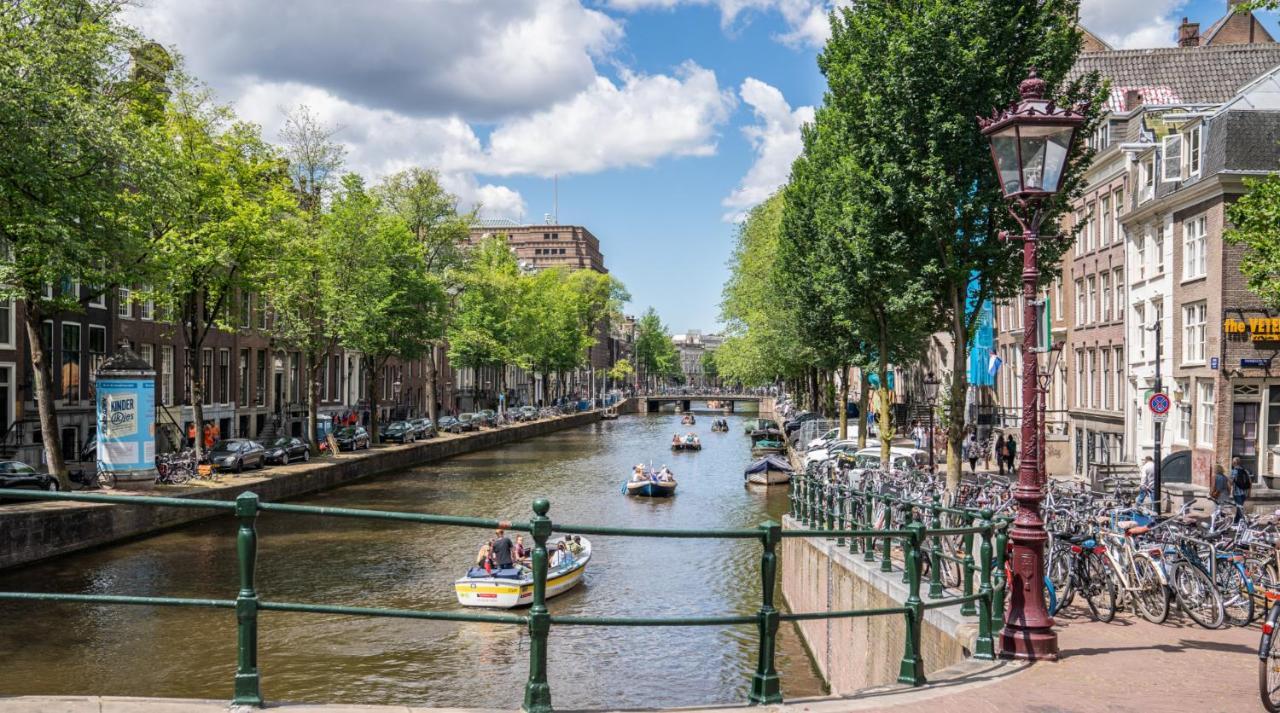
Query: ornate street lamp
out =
(931, 384)
(1031, 141)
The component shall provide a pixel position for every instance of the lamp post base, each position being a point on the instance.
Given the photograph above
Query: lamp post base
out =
(1031, 644)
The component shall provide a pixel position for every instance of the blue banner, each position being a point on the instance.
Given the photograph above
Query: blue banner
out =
(126, 423)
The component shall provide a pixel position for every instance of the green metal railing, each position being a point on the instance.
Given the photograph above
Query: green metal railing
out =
(765, 683)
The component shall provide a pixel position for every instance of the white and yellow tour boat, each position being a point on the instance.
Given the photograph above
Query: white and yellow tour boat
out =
(509, 588)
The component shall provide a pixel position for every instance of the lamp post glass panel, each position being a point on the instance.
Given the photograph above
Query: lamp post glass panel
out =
(1030, 143)
(931, 384)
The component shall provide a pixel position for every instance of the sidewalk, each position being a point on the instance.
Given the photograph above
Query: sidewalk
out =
(1123, 666)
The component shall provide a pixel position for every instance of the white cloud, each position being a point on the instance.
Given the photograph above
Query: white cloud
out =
(1153, 23)
(481, 60)
(776, 139)
(646, 118)
(807, 20)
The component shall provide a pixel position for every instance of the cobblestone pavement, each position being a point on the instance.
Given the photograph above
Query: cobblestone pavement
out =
(1125, 666)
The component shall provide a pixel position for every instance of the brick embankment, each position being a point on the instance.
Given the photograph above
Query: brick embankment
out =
(31, 531)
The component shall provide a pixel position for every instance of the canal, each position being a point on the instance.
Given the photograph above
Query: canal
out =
(178, 652)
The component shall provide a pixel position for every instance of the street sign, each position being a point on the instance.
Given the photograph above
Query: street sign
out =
(1160, 417)
(1213, 362)
(1255, 363)
(1159, 404)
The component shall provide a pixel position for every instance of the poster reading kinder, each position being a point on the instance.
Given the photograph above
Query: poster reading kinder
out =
(126, 424)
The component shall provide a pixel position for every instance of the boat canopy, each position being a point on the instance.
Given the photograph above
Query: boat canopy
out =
(769, 463)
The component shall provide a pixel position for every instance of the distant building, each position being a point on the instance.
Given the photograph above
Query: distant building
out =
(692, 346)
(540, 246)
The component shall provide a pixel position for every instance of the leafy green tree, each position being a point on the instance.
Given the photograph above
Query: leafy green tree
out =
(653, 349)
(431, 214)
(1255, 221)
(216, 222)
(621, 371)
(485, 330)
(902, 97)
(390, 313)
(709, 370)
(74, 153)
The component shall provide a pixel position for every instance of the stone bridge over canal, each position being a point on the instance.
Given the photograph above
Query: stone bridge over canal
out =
(730, 402)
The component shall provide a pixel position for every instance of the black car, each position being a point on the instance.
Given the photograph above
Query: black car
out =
(16, 475)
(236, 454)
(488, 417)
(398, 432)
(285, 450)
(423, 428)
(469, 421)
(448, 424)
(352, 438)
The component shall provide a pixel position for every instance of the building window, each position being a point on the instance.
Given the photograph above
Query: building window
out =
(1194, 263)
(1147, 178)
(148, 354)
(1104, 223)
(1057, 298)
(99, 299)
(1119, 210)
(70, 367)
(261, 396)
(1193, 319)
(124, 309)
(243, 374)
(97, 347)
(1118, 281)
(1092, 314)
(1091, 360)
(166, 375)
(324, 377)
(1184, 415)
(246, 311)
(1118, 382)
(1090, 237)
(1157, 247)
(206, 375)
(1140, 324)
(7, 324)
(224, 376)
(262, 315)
(1106, 297)
(1192, 140)
(1106, 379)
(1140, 252)
(1172, 158)
(1208, 416)
(147, 310)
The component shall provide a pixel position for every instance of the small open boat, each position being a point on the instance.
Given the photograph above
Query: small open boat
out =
(610, 413)
(769, 470)
(688, 420)
(765, 447)
(507, 588)
(720, 425)
(651, 486)
(761, 425)
(689, 442)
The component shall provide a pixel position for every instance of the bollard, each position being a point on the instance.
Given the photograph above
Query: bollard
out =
(886, 557)
(765, 685)
(911, 671)
(869, 545)
(537, 692)
(247, 691)
(984, 648)
(968, 608)
(935, 554)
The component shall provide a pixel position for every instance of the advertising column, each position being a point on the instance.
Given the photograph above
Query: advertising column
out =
(126, 407)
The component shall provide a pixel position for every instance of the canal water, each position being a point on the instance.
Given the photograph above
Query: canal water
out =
(179, 652)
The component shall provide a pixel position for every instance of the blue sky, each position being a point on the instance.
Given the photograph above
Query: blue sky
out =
(664, 119)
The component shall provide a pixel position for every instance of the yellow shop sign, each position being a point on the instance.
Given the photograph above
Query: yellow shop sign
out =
(1259, 329)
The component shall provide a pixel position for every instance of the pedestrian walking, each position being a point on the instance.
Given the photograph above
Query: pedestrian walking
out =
(971, 452)
(1241, 484)
(917, 433)
(1000, 453)
(1011, 451)
(1147, 489)
(1220, 492)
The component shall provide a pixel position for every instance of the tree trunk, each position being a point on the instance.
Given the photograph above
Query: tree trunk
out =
(886, 412)
(955, 398)
(43, 375)
(373, 400)
(864, 388)
(432, 411)
(813, 388)
(313, 406)
(844, 401)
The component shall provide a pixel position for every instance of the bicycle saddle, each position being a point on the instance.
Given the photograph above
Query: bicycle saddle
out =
(1136, 530)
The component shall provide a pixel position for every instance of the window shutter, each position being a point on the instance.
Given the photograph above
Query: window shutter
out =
(1172, 158)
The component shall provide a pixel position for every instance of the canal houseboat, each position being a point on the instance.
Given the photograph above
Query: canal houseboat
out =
(769, 470)
(509, 588)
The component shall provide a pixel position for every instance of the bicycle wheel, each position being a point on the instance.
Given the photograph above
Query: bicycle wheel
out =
(1269, 673)
(1059, 575)
(1151, 596)
(106, 479)
(1099, 587)
(1197, 595)
(1237, 599)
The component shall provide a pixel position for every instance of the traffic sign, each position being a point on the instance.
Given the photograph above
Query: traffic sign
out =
(1159, 404)
(1160, 417)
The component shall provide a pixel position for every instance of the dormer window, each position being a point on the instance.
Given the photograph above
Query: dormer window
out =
(1172, 161)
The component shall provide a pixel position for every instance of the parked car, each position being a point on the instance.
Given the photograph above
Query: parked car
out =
(16, 475)
(824, 440)
(468, 422)
(284, 450)
(448, 424)
(905, 460)
(397, 432)
(352, 438)
(488, 417)
(794, 424)
(835, 448)
(526, 413)
(236, 454)
(423, 428)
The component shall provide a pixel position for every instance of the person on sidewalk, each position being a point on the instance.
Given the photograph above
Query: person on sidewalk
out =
(1241, 484)
(1000, 453)
(1011, 449)
(1220, 492)
(971, 452)
(1147, 489)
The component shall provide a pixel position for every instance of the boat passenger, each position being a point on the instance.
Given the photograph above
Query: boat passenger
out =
(484, 558)
(575, 546)
(563, 557)
(502, 549)
(522, 553)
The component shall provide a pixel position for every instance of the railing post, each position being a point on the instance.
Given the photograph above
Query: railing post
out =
(537, 692)
(840, 505)
(935, 553)
(968, 608)
(765, 685)
(793, 494)
(868, 512)
(854, 516)
(999, 580)
(247, 691)
(984, 648)
(829, 501)
(886, 557)
(809, 508)
(912, 669)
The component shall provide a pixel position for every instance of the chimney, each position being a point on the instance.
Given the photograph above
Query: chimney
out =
(1132, 100)
(1188, 34)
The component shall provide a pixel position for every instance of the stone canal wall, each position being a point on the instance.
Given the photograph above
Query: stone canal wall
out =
(31, 531)
(858, 653)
